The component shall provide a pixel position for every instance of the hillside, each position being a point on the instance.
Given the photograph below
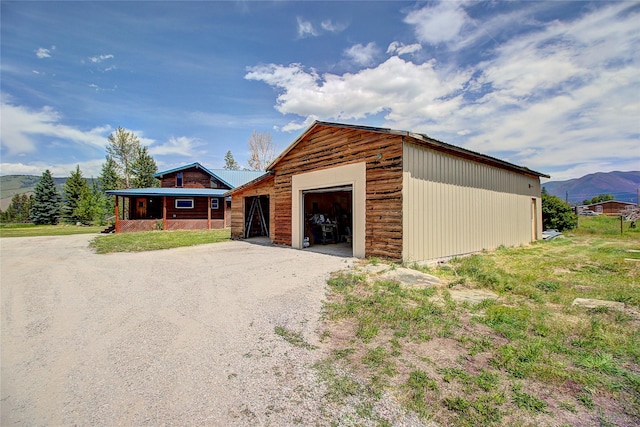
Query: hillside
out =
(623, 186)
(10, 185)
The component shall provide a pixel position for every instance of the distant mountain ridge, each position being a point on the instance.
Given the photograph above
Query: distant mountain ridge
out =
(623, 186)
(10, 185)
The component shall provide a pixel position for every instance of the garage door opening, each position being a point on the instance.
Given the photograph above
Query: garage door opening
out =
(328, 219)
(256, 216)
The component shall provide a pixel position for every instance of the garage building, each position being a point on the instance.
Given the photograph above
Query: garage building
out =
(391, 194)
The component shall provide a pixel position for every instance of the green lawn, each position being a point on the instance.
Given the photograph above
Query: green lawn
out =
(529, 358)
(32, 230)
(156, 240)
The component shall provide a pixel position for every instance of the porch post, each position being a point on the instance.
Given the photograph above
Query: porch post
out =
(117, 215)
(164, 213)
(209, 213)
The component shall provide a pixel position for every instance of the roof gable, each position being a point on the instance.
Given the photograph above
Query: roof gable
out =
(230, 178)
(419, 138)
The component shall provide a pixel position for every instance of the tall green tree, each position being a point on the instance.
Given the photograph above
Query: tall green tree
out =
(92, 205)
(123, 148)
(46, 201)
(109, 178)
(230, 163)
(19, 208)
(144, 167)
(73, 190)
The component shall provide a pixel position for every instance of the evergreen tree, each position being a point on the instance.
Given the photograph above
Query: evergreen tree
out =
(46, 201)
(109, 178)
(230, 163)
(92, 206)
(144, 167)
(73, 190)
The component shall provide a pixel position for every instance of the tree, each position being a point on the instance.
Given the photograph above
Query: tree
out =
(123, 148)
(19, 208)
(262, 151)
(598, 199)
(92, 205)
(556, 213)
(73, 190)
(109, 178)
(46, 201)
(144, 167)
(230, 163)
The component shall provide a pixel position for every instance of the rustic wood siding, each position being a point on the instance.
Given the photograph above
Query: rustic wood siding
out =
(263, 188)
(327, 147)
(199, 211)
(192, 178)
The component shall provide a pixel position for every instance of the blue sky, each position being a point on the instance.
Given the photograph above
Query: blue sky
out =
(553, 86)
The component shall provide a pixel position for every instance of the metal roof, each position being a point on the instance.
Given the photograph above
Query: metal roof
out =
(236, 178)
(174, 192)
(424, 138)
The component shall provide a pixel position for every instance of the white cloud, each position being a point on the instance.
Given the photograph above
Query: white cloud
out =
(333, 27)
(440, 23)
(402, 88)
(362, 55)
(180, 146)
(23, 127)
(100, 58)
(398, 48)
(305, 28)
(42, 52)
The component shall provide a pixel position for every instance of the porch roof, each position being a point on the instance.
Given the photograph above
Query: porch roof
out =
(172, 192)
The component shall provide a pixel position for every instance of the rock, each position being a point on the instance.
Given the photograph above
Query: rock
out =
(472, 296)
(596, 303)
(411, 277)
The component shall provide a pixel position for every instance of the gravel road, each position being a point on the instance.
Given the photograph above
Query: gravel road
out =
(174, 337)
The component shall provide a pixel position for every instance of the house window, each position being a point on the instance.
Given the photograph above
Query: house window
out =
(184, 203)
(179, 179)
(214, 204)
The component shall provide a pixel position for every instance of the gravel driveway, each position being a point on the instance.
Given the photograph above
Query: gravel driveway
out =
(181, 336)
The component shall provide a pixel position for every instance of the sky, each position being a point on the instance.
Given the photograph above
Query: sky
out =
(552, 86)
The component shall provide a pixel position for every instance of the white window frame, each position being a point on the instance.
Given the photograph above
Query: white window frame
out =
(215, 203)
(190, 200)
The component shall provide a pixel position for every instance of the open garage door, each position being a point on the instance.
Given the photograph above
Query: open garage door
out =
(328, 216)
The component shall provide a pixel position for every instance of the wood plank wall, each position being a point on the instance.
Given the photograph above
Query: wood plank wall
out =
(328, 146)
(263, 188)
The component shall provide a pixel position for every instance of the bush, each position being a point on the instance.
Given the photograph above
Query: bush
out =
(556, 214)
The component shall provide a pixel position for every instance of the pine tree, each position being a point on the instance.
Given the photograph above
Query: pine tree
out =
(144, 167)
(230, 163)
(46, 201)
(109, 178)
(92, 206)
(73, 190)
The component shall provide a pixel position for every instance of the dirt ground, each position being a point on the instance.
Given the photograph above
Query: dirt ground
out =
(181, 337)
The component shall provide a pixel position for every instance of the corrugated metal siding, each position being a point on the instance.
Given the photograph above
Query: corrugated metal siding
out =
(453, 206)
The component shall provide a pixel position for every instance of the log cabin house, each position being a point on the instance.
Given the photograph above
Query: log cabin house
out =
(190, 197)
(609, 207)
(391, 194)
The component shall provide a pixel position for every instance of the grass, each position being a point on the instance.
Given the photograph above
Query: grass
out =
(32, 230)
(294, 338)
(156, 240)
(528, 358)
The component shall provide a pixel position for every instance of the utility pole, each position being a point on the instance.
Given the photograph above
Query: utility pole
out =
(566, 197)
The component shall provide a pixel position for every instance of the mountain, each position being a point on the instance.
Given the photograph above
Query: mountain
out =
(623, 186)
(11, 185)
